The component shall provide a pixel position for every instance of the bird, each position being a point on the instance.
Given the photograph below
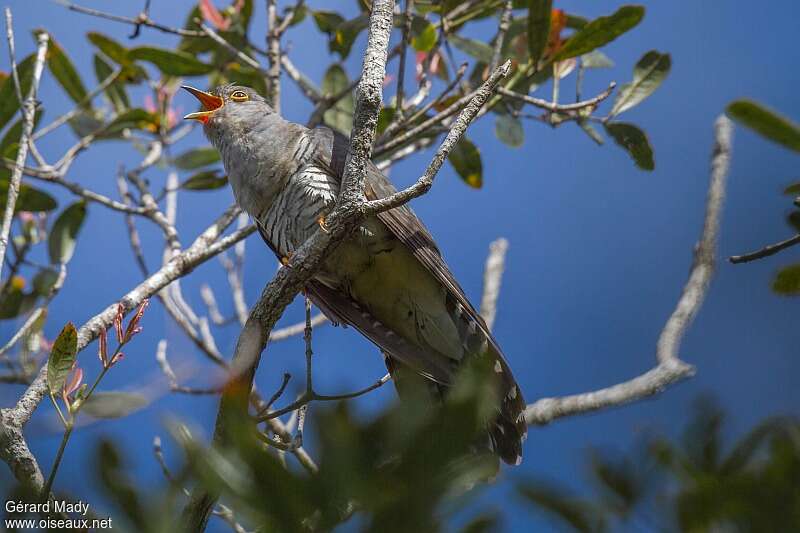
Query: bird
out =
(388, 279)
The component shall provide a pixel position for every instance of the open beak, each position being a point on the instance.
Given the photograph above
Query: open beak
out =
(210, 102)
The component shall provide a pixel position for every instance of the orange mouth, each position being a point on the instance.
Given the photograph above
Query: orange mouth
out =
(211, 104)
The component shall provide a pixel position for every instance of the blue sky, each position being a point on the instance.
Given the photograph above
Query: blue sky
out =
(599, 250)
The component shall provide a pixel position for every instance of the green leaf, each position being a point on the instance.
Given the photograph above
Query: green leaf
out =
(29, 199)
(14, 133)
(466, 159)
(44, 280)
(580, 515)
(766, 122)
(509, 130)
(204, 181)
(634, 141)
(327, 21)
(11, 299)
(793, 219)
(792, 190)
(341, 41)
(131, 119)
(62, 358)
(385, 118)
(477, 49)
(600, 31)
(9, 104)
(424, 38)
(199, 157)
(538, 27)
(172, 63)
(596, 59)
(64, 72)
(113, 404)
(787, 281)
(115, 92)
(63, 234)
(111, 48)
(340, 116)
(648, 74)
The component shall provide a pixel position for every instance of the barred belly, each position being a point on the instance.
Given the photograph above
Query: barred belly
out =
(295, 213)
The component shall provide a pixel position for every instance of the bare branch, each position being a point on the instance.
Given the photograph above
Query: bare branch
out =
(273, 56)
(28, 113)
(457, 130)
(558, 108)
(306, 86)
(217, 38)
(137, 22)
(401, 68)
(499, 41)
(766, 251)
(670, 368)
(492, 276)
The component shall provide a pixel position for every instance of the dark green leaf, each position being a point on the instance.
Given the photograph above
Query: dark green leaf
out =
(11, 299)
(792, 190)
(600, 31)
(44, 281)
(787, 281)
(648, 74)
(424, 38)
(341, 41)
(131, 119)
(466, 159)
(111, 48)
(172, 63)
(196, 158)
(113, 404)
(62, 357)
(206, 180)
(766, 122)
(634, 141)
(14, 133)
(64, 72)
(327, 21)
(385, 118)
(340, 116)
(9, 104)
(509, 130)
(116, 91)
(596, 59)
(247, 76)
(29, 199)
(538, 27)
(578, 514)
(63, 234)
(477, 49)
(793, 219)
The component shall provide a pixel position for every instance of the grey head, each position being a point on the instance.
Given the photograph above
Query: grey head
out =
(229, 111)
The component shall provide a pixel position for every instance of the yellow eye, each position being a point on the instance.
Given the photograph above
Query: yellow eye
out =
(239, 96)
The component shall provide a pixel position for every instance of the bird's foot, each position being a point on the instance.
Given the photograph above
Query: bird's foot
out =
(286, 258)
(321, 222)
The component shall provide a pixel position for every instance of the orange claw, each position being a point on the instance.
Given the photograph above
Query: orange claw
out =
(321, 222)
(285, 259)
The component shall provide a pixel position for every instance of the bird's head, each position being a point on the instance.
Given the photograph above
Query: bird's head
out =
(228, 107)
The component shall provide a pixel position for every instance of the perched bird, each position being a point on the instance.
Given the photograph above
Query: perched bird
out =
(388, 279)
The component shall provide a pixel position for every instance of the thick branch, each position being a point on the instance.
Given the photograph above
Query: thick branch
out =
(670, 368)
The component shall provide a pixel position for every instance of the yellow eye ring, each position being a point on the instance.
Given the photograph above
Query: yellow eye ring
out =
(239, 96)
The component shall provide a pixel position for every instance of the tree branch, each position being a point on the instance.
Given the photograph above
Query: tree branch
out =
(670, 368)
(28, 113)
(492, 276)
(766, 251)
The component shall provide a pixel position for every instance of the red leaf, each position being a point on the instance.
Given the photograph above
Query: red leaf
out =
(212, 15)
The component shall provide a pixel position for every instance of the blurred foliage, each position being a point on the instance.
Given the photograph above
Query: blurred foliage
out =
(780, 130)
(695, 484)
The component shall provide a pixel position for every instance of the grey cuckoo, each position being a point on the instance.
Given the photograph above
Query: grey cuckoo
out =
(388, 279)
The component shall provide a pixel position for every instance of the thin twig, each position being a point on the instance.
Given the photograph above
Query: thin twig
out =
(401, 68)
(273, 56)
(766, 251)
(28, 114)
(499, 40)
(558, 108)
(137, 22)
